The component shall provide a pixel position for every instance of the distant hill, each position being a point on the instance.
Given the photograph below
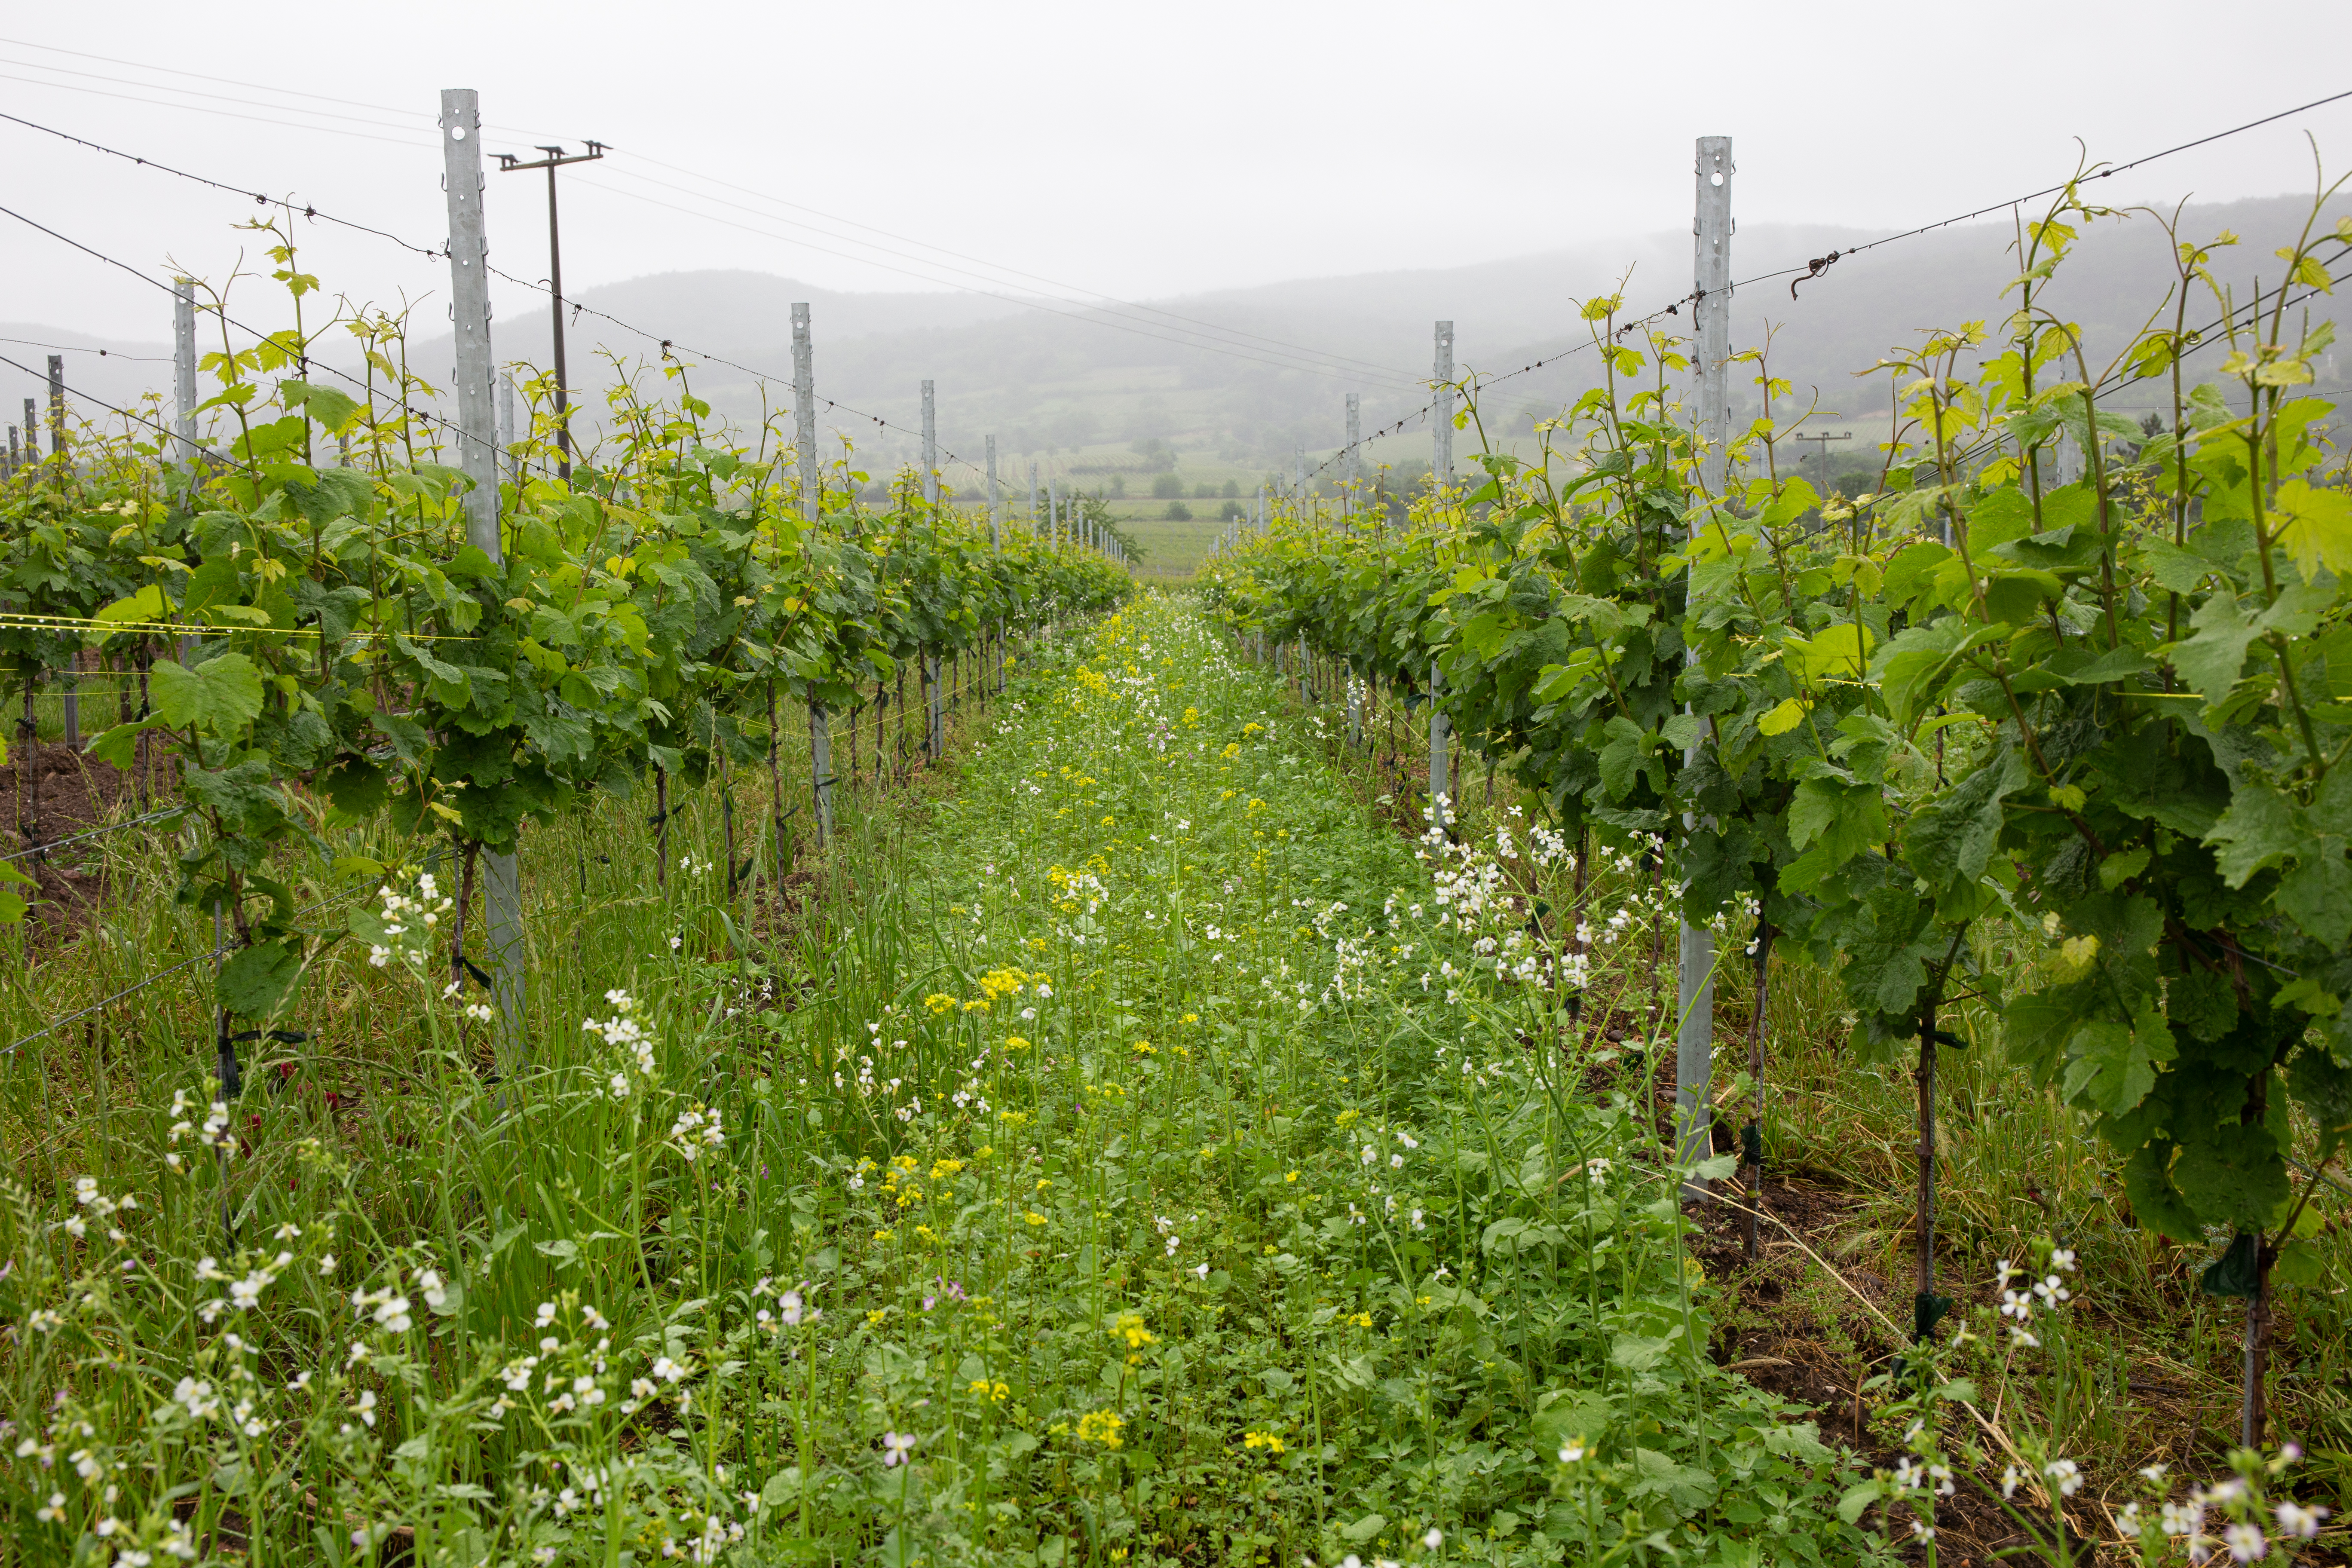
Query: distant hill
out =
(1218, 374)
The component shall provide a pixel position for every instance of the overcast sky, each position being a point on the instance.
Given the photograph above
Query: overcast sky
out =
(1134, 151)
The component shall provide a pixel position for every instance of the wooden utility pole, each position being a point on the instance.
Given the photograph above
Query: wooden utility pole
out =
(556, 159)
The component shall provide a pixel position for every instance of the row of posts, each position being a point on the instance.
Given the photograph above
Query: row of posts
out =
(485, 426)
(24, 452)
(1711, 329)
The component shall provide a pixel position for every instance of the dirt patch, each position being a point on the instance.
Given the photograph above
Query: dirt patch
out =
(49, 794)
(1812, 1331)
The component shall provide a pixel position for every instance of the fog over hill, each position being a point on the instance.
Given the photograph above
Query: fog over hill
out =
(1246, 376)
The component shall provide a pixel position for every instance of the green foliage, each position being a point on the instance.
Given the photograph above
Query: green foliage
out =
(1094, 1174)
(2109, 712)
(329, 630)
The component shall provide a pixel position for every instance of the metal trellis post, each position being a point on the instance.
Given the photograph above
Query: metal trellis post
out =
(510, 462)
(1355, 447)
(804, 413)
(995, 547)
(58, 446)
(1441, 736)
(812, 506)
(931, 448)
(1441, 455)
(995, 502)
(1711, 351)
(470, 285)
(183, 367)
(935, 727)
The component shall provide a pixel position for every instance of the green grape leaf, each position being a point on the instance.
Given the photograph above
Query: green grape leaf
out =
(2317, 532)
(2298, 1263)
(2173, 567)
(146, 605)
(221, 696)
(2122, 866)
(119, 744)
(2111, 1066)
(330, 408)
(1837, 652)
(256, 979)
(2211, 661)
(1951, 840)
(2017, 597)
(2004, 515)
(2231, 1173)
(1913, 571)
(2324, 1088)
(1831, 821)
(356, 786)
(1782, 719)
(2155, 1203)
(1622, 758)
(2317, 894)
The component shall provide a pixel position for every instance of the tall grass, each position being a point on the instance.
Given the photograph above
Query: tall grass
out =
(1124, 1153)
(2147, 1372)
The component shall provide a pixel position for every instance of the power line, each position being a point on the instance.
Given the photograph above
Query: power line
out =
(152, 425)
(312, 212)
(198, 76)
(2104, 173)
(434, 418)
(204, 108)
(420, 116)
(2203, 337)
(1088, 314)
(1813, 270)
(407, 407)
(993, 268)
(189, 91)
(78, 348)
(99, 1006)
(1816, 266)
(258, 197)
(1293, 358)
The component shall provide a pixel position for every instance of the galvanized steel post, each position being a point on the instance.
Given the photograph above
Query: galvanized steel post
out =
(469, 310)
(1711, 352)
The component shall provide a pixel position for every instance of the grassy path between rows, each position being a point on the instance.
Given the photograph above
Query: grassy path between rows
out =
(1234, 1224)
(1137, 1156)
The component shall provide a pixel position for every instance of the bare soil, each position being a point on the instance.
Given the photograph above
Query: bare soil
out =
(50, 792)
